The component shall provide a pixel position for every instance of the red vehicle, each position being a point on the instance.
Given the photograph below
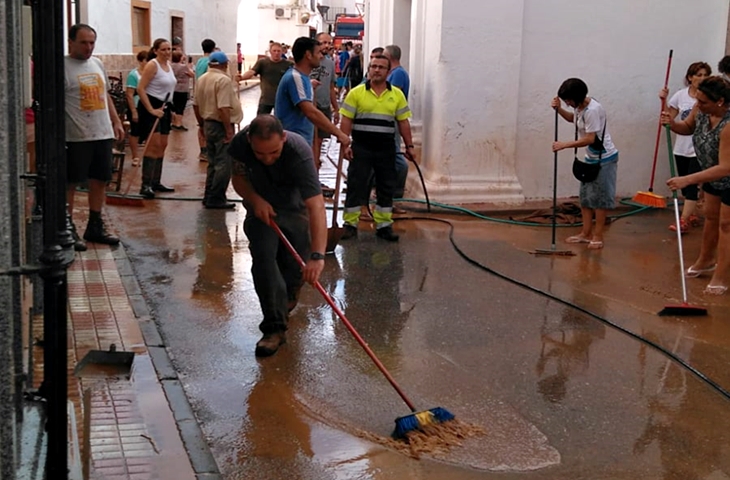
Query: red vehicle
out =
(348, 28)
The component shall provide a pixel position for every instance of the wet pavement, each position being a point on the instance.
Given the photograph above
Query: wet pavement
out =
(560, 394)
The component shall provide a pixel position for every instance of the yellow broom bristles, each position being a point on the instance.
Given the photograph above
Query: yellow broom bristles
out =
(650, 199)
(425, 418)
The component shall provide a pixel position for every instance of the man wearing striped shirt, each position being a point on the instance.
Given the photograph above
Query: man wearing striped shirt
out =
(294, 104)
(370, 112)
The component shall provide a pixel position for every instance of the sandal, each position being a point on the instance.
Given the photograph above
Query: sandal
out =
(715, 290)
(693, 272)
(595, 244)
(135, 162)
(684, 226)
(577, 239)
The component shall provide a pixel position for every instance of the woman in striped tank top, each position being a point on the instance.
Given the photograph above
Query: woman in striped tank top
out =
(708, 123)
(155, 88)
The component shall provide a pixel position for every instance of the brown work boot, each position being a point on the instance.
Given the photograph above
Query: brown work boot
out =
(96, 232)
(79, 244)
(269, 344)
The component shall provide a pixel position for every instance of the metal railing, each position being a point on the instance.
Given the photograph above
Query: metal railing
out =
(52, 259)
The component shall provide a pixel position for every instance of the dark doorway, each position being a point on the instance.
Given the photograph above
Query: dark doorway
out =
(177, 30)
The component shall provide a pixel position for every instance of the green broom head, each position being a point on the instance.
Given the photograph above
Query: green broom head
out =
(418, 420)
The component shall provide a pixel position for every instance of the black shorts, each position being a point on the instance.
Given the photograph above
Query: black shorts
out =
(723, 194)
(327, 113)
(146, 119)
(89, 160)
(179, 102)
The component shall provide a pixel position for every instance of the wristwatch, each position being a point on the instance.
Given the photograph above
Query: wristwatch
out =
(316, 256)
(410, 146)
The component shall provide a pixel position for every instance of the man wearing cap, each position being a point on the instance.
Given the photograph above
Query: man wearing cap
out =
(217, 108)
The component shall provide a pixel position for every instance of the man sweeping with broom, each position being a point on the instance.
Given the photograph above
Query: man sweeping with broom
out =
(274, 173)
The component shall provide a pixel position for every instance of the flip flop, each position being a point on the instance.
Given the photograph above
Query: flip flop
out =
(595, 244)
(715, 290)
(693, 272)
(577, 239)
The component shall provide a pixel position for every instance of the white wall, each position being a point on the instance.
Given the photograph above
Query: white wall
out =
(279, 30)
(619, 49)
(470, 105)
(483, 75)
(348, 4)
(216, 19)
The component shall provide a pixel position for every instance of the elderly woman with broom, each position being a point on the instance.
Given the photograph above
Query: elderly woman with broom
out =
(708, 123)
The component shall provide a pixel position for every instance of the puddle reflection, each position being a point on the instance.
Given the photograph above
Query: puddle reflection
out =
(215, 253)
(566, 341)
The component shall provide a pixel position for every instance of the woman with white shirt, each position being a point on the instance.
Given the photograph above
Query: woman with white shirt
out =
(598, 196)
(155, 88)
(680, 105)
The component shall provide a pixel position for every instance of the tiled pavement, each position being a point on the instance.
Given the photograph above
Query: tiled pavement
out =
(133, 434)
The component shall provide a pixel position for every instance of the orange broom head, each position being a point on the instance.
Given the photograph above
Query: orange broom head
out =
(650, 199)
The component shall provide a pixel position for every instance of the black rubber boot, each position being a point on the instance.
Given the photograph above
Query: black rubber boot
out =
(96, 231)
(387, 233)
(148, 170)
(157, 176)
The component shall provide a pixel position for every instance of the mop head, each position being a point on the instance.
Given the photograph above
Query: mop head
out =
(650, 199)
(683, 310)
(420, 420)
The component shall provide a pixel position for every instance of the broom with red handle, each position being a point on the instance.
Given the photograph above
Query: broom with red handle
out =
(651, 199)
(406, 423)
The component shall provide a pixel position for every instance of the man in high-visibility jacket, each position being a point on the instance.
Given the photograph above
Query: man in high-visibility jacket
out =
(370, 113)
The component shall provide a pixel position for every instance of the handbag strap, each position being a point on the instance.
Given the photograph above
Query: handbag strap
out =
(603, 135)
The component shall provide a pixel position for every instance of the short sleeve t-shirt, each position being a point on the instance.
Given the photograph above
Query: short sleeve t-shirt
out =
(684, 103)
(271, 73)
(294, 88)
(181, 75)
(201, 66)
(343, 57)
(399, 78)
(285, 184)
(325, 74)
(87, 112)
(592, 119)
(132, 82)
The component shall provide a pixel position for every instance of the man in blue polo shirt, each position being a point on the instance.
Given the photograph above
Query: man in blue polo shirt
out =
(294, 105)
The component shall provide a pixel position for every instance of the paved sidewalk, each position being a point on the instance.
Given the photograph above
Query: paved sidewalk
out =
(133, 433)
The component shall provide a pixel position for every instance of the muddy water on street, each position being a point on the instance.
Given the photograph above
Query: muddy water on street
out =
(560, 394)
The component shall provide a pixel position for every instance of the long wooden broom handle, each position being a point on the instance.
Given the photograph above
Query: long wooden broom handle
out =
(659, 128)
(344, 319)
